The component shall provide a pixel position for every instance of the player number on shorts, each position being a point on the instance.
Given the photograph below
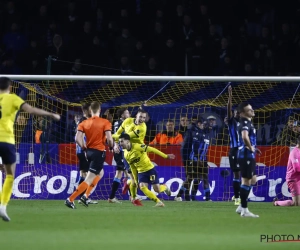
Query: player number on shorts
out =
(152, 177)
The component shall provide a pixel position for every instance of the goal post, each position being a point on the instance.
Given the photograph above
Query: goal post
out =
(46, 158)
(156, 78)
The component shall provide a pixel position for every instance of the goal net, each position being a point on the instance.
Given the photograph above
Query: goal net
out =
(46, 157)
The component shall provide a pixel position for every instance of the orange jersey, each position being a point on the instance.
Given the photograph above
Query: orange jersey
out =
(94, 129)
(163, 138)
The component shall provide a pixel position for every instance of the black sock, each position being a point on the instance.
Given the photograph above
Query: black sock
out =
(114, 188)
(194, 189)
(244, 193)
(236, 187)
(187, 195)
(187, 191)
(207, 194)
(181, 191)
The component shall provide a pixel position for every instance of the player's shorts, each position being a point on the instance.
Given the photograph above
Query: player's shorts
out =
(294, 187)
(7, 153)
(150, 177)
(233, 155)
(247, 165)
(119, 161)
(184, 155)
(196, 169)
(185, 158)
(96, 160)
(83, 163)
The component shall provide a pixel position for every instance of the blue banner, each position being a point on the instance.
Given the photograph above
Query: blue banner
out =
(46, 181)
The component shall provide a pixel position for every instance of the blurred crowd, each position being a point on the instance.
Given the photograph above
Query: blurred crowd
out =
(154, 37)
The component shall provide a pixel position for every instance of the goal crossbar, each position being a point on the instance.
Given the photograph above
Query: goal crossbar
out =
(156, 78)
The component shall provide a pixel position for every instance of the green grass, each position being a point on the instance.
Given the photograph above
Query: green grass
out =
(43, 225)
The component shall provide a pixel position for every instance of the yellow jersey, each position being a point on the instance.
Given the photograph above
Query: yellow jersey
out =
(10, 104)
(137, 132)
(138, 158)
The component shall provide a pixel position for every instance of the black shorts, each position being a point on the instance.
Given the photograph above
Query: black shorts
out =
(119, 161)
(83, 163)
(7, 153)
(96, 160)
(196, 169)
(247, 167)
(185, 153)
(233, 153)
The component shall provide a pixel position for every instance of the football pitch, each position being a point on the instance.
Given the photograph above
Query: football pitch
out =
(43, 225)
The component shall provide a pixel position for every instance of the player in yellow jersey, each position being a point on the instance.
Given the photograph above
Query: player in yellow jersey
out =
(136, 129)
(142, 168)
(10, 104)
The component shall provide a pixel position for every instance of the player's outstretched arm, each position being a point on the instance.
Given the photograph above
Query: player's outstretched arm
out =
(40, 112)
(229, 104)
(156, 151)
(171, 156)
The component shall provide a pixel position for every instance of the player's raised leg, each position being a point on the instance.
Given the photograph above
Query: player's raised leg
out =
(151, 176)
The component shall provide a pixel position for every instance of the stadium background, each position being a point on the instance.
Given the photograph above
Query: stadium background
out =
(152, 38)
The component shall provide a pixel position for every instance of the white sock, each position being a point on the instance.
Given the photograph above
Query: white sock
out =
(245, 210)
(3, 207)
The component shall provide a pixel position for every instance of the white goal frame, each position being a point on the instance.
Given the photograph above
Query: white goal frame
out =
(156, 78)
